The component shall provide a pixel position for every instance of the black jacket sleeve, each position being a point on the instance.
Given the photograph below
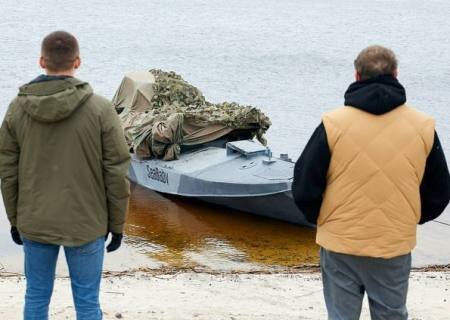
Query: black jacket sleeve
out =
(310, 175)
(435, 186)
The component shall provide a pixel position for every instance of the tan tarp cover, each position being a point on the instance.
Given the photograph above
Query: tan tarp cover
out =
(160, 112)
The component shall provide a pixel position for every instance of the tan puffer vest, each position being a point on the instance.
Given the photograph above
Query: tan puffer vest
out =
(371, 205)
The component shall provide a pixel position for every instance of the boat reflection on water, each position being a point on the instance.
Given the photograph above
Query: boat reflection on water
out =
(187, 233)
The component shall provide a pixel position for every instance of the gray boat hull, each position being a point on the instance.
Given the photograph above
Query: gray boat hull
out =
(249, 182)
(266, 206)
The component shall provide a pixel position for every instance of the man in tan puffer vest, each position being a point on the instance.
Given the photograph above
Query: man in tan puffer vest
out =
(370, 173)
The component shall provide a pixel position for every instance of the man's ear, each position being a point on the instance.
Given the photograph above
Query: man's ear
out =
(77, 63)
(357, 76)
(395, 74)
(42, 63)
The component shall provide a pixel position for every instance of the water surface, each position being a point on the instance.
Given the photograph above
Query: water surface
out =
(292, 58)
(191, 233)
(174, 233)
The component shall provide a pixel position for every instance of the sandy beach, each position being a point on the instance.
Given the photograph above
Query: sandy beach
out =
(202, 296)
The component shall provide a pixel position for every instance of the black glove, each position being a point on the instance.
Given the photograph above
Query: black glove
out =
(16, 236)
(116, 241)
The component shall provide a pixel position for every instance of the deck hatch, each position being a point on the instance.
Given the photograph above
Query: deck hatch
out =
(247, 148)
(275, 172)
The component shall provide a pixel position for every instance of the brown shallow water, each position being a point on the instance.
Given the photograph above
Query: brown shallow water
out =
(166, 231)
(185, 233)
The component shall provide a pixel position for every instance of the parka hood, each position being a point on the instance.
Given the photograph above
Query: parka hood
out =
(55, 100)
(377, 95)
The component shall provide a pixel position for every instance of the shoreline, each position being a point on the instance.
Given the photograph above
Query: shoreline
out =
(203, 296)
(161, 271)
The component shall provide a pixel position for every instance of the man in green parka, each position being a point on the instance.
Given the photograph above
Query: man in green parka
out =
(63, 165)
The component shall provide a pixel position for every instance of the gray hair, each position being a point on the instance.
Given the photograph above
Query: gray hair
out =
(375, 61)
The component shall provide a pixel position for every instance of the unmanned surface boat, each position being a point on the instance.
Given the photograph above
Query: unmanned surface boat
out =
(241, 175)
(183, 145)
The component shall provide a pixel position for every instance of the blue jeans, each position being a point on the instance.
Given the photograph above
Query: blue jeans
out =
(85, 268)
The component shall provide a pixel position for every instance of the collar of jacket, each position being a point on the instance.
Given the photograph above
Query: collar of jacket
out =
(45, 77)
(377, 95)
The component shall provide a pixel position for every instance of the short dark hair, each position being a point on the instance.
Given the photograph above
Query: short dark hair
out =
(375, 61)
(59, 50)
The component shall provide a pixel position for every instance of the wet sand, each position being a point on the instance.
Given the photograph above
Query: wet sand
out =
(167, 232)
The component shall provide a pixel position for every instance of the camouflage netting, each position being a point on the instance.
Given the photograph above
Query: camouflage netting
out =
(161, 112)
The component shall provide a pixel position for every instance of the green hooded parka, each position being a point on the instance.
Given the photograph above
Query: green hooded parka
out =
(63, 164)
